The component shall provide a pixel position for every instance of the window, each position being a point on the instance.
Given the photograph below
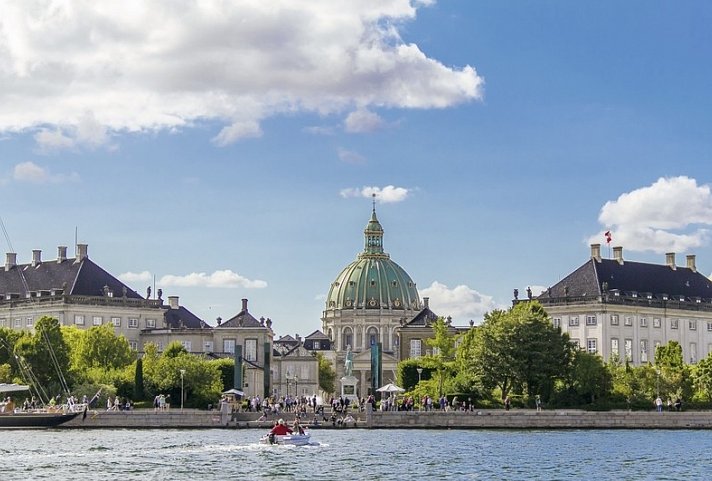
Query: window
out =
(643, 322)
(251, 350)
(372, 336)
(30, 321)
(557, 322)
(187, 345)
(591, 346)
(590, 320)
(18, 323)
(116, 321)
(614, 319)
(656, 322)
(229, 346)
(348, 339)
(628, 321)
(208, 346)
(643, 350)
(615, 351)
(576, 343)
(97, 320)
(629, 349)
(673, 323)
(709, 324)
(150, 323)
(573, 321)
(3, 322)
(316, 345)
(693, 352)
(692, 324)
(79, 320)
(133, 345)
(415, 347)
(133, 323)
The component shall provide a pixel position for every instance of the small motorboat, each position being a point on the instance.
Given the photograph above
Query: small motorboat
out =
(287, 439)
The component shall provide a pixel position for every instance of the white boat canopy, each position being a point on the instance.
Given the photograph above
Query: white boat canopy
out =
(13, 387)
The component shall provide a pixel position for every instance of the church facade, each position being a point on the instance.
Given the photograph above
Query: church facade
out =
(368, 302)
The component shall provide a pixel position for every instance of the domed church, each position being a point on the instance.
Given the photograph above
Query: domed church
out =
(367, 303)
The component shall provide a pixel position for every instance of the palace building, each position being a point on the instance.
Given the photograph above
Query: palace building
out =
(624, 309)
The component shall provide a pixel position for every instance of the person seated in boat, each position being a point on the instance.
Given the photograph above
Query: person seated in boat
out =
(297, 428)
(280, 429)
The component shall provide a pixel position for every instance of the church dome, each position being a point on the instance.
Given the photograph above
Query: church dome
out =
(373, 280)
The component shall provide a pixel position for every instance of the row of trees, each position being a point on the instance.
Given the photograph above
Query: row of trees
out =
(518, 353)
(61, 360)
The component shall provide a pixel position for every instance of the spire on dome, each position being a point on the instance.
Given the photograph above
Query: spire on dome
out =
(373, 234)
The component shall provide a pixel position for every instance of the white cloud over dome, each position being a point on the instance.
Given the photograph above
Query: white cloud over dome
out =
(384, 195)
(462, 303)
(671, 215)
(75, 72)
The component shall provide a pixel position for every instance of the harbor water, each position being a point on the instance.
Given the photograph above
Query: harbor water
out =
(220, 454)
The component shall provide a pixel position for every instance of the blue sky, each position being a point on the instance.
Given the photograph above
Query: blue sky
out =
(229, 151)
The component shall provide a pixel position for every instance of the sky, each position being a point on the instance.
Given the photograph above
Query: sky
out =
(227, 150)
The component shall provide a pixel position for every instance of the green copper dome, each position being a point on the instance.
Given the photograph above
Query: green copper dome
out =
(373, 280)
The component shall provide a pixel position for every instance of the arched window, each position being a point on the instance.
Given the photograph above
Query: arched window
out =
(372, 336)
(347, 339)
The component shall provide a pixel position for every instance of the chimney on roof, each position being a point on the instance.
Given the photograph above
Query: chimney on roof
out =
(670, 260)
(426, 300)
(244, 305)
(36, 257)
(61, 254)
(691, 263)
(173, 302)
(596, 252)
(618, 254)
(81, 252)
(10, 260)
(299, 338)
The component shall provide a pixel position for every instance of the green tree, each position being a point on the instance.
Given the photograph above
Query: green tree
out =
(46, 356)
(675, 380)
(138, 381)
(101, 347)
(327, 375)
(588, 377)
(519, 349)
(703, 377)
(443, 344)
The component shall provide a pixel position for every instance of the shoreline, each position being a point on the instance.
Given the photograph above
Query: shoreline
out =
(480, 419)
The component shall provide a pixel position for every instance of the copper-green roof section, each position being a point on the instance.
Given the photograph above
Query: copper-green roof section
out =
(373, 280)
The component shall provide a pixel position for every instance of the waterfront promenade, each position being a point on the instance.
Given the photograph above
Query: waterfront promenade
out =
(479, 419)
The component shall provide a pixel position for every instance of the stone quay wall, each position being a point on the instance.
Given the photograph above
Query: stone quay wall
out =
(480, 419)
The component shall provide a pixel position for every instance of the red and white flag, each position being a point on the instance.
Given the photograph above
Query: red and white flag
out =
(609, 237)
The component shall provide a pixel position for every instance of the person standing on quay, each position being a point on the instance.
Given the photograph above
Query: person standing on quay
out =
(537, 400)
(507, 403)
(659, 404)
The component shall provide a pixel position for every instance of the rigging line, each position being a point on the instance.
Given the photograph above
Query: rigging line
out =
(55, 362)
(7, 237)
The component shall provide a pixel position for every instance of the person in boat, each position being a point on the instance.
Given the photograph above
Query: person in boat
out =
(280, 429)
(297, 428)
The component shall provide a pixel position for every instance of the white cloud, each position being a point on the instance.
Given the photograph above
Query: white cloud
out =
(224, 278)
(671, 215)
(351, 157)
(77, 72)
(136, 277)
(363, 120)
(31, 172)
(461, 303)
(86, 133)
(384, 195)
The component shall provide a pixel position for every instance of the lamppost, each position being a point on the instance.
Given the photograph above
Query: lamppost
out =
(420, 371)
(182, 374)
(296, 386)
(287, 377)
(657, 381)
